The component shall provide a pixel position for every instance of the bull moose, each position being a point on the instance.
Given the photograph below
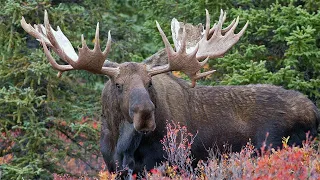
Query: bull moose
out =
(138, 98)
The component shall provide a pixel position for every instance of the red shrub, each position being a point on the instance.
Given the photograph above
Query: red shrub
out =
(286, 163)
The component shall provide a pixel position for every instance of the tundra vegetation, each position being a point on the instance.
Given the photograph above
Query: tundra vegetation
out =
(50, 125)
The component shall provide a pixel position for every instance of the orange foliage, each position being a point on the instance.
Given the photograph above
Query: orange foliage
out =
(6, 159)
(177, 74)
(206, 66)
(286, 163)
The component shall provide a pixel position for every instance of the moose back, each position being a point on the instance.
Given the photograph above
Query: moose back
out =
(139, 98)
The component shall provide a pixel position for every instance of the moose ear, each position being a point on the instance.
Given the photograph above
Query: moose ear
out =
(111, 64)
(158, 59)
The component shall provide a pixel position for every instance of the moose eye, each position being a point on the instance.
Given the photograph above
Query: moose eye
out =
(119, 86)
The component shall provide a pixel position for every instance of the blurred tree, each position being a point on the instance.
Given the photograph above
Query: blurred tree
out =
(43, 120)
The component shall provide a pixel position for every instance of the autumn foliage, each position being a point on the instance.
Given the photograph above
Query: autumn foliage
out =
(267, 163)
(284, 163)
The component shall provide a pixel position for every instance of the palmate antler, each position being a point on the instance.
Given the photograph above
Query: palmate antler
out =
(214, 43)
(90, 60)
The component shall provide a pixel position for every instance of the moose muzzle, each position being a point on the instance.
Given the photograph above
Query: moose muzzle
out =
(141, 110)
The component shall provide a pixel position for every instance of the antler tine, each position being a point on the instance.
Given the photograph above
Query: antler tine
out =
(96, 38)
(216, 27)
(89, 60)
(108, 46)
(231, 31)
(107, 70)
(229, 27)
(170, 53)
(33, 31)
(184, 39)
(199, 76)
(223, 31)
(243, 29)
(165, 40)
(217, 32)
(234, 26)
(206, 34)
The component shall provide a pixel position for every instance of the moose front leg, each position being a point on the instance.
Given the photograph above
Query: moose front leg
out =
(118, 153)
(107, 147)
(127, 144)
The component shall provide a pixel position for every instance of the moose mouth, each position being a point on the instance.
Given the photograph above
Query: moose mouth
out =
(144, 132)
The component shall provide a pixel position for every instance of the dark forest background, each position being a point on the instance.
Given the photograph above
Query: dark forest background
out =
(50, 125)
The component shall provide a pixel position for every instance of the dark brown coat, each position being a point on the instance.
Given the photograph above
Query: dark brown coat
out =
(220, 114)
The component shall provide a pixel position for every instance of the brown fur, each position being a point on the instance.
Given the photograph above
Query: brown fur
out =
(220, 114)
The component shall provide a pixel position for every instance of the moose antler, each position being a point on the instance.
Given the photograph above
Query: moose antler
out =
(214, 43)
(89, 60)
